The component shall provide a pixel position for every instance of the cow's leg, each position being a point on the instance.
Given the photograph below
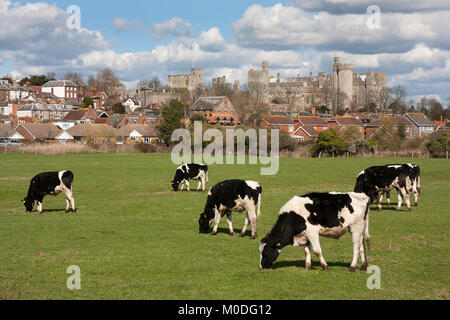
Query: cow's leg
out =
(400, 199)
(252, 215)
(356, 231)
(416, 193)
(70, 198)
(408, 201)
(307, 258)
(388, 197)
(188, 186)
(379, 196)
(203, 184)
(182, 185)
(246, 223)
(230, 223)
(199, 184)
(40, 200)
(216, 221)
(315, 246)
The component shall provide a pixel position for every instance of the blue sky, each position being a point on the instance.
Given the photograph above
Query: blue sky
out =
(140, 39)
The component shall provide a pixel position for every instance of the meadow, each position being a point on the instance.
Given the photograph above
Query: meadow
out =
(133, 238)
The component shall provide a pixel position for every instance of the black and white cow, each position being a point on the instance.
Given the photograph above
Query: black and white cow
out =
(376, 180)
(188, 172)
(49, 183)
(228, 196)
(302, 220)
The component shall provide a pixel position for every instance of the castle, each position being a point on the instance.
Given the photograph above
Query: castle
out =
(192, 81)
(343, 89)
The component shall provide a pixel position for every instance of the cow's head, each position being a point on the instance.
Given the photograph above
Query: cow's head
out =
(175, 185)
(203, 223)
(269, 252)
(28, 203)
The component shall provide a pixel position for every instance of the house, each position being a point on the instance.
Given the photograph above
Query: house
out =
(44, 111)
(304, 133)
(82, 115)
(281, 122)
(63, 89)
(339, 122)
(6, 109)
(421, 125)
(212, 104)
(317, 123)
(94, 133)
(385, 124)
(139, 133)
(221, 118)
(99, 97)
(38, 132)
(131, 105)
(280, 110)
(6, 132)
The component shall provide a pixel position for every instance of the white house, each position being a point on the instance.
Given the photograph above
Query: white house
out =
(63, 137)
(6, 110)
(131, 104)
(63, 89)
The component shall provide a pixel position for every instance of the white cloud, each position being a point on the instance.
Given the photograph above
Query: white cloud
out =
(360, 6)
(175, 27)
(211, 40)
(124, 25)
(294, 28)
(37, 34)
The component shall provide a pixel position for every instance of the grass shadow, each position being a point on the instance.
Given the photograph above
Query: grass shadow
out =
(314, 264)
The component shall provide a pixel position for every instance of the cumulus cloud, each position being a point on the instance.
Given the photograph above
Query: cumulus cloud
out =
(294, 28)
(124, 25)
(37, 34)
(360, 6)
(211, 40)
(175, 27)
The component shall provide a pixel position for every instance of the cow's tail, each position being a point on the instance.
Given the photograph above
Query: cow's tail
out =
(207, 175)
(366, 238)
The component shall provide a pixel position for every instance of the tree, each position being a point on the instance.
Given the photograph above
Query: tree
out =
(105, 81)
(436, 110)
(439, 145)
(172, 116)
(87, 102)
(396, 97)
(401, 131)
(76, 78)
(119, 108)
(36, 80)
(329, 142)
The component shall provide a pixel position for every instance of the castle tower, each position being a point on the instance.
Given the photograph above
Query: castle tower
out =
(343, 79)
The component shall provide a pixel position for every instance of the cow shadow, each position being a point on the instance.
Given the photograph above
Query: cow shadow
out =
(52, 210)
(236, 231)
(301, 264)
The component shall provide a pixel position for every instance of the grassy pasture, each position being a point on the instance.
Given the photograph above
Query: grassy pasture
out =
(135, 239)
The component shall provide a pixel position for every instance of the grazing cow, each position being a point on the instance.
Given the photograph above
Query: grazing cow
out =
(302, 220)
(188, 172)
(405, 178)
(414, 175)
(52, 183)
(228, 196)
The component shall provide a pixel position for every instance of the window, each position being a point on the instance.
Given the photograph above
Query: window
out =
(134, 138)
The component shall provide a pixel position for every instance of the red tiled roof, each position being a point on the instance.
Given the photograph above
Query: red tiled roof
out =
(277, 120)
(311, 120)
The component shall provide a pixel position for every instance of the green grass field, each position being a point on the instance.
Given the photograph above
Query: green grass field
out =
(135, 239)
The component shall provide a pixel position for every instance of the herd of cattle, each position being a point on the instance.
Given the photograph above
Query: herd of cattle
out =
(301, 221)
